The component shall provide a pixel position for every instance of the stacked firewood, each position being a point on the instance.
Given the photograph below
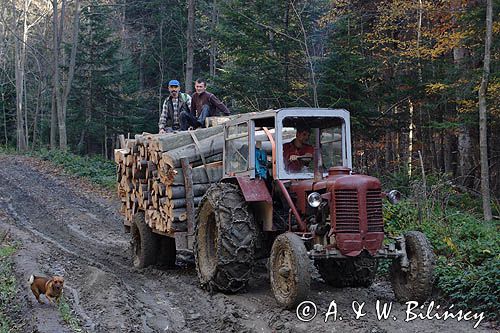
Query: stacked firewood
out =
(151, 176)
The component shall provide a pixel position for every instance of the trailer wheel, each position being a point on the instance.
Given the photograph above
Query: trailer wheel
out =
(144, 242)
(224, 239)
(417, 281)
(289, 270)
(354, 272)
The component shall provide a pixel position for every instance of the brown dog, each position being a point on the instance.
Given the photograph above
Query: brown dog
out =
(52, 288)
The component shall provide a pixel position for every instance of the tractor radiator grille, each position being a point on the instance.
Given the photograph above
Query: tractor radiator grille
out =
(374, 211)
(346, 211)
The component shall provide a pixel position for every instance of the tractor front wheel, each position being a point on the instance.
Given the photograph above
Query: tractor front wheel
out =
(289, 270)
(414, 282)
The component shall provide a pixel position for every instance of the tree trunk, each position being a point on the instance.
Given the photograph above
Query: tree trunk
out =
(483, 138)
(61, 121)
(190, 47)
(142, 45)
(20, 60)
(5, 120)
(447, 152)
(387, 151)
(465, 155)
(72, 61)
(53, 120)
(309, 58)
(213, 41)
(410, 140)
(464, 140)
(37, 112)
(286, 75)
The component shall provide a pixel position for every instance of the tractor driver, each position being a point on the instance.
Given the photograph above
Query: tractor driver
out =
(297, 153)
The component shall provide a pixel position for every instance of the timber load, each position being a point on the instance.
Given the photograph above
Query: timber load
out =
(166, 175)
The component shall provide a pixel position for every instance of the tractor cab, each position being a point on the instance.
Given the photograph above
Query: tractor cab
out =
(328, 144)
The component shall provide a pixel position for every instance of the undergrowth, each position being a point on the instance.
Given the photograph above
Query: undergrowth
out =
(466, 246)
(9, 309)
(95, 168)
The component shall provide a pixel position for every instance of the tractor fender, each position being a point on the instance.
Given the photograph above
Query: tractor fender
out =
(254, 190)
(256, 193)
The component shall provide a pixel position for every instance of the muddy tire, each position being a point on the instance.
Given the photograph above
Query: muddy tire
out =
(355, 272)
(289, 270)
(224, 243)
(167, 251)
(144, 242)
(416, 283)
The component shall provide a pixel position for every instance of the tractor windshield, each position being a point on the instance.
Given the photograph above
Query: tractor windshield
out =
(299, 143)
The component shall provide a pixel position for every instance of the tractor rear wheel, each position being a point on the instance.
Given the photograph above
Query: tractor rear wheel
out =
(224, 239)
(415, 282)
(353, 272)
(289, 270)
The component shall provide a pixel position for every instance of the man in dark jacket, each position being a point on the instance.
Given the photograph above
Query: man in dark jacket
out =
(203, 105)
(173, 106)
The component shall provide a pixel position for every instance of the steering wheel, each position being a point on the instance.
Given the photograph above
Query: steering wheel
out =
(305, 159)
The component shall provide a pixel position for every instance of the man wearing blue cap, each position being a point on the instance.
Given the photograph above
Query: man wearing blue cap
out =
(173, 105)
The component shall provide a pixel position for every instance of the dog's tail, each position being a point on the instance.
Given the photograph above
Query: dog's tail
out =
(31, 280)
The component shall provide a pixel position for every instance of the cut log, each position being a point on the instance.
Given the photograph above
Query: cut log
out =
(179, 214)
(170, 141)
(208, 147)
(120, 155)
(181, 202)
(180, 192)
(215, 121)
(208, 159)
(149, 177)
(201, 174)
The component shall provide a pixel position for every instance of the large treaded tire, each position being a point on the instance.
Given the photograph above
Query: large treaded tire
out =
(416, 284)
(224, 243)
(289, 270)
(144, 242)
(355, 272)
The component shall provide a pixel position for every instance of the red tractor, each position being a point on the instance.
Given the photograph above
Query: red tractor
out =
(288, 193)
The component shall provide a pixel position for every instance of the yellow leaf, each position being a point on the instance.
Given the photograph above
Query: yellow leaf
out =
(450, 244)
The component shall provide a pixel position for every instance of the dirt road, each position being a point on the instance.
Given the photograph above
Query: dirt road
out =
(65, 227)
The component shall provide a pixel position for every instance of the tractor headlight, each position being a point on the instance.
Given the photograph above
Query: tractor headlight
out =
(314, 199)
(394, 196)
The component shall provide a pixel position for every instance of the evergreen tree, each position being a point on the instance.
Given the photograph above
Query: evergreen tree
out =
(95, 101)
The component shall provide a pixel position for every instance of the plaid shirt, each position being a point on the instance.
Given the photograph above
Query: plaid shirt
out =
(164, 117)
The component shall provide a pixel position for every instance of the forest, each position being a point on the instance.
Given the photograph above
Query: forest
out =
(74, 74)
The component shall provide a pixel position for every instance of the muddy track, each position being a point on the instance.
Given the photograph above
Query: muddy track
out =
(68, 230)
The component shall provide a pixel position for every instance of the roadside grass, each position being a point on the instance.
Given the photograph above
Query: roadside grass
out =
(8, 289)
(68, 317)
(95, 168)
